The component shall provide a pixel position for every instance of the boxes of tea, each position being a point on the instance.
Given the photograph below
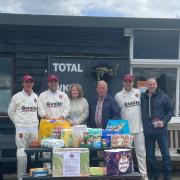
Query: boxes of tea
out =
(38, 172)
(66, 135)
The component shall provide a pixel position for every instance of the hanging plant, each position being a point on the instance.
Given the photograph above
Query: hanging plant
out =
(104, 71)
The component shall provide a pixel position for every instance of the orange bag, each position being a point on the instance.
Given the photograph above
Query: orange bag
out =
(52, 127)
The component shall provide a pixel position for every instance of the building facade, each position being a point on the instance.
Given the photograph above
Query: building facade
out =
(32, 43)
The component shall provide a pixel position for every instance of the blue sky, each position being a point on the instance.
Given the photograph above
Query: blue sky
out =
(116, 8)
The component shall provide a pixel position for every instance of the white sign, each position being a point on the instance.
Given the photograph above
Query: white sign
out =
(71, 161)
(67, 67)
(123, 164)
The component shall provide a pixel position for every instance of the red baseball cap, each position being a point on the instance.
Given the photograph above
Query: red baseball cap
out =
(27, 78)
(52, 77)
(128, 77)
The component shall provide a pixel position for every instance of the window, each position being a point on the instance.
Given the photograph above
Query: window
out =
(153, 44)
(166, 79)
(6, 75)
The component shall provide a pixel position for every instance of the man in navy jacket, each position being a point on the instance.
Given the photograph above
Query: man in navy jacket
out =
(102, 108)
(156, 113)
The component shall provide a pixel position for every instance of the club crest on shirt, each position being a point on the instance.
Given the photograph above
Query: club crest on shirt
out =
(60, 96)
(137, 95)
(35, 100)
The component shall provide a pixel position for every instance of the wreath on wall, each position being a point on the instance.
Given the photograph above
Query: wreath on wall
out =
(104, 71)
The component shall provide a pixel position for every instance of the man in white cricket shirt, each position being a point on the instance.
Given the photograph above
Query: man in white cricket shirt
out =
(129, 101)
(23, 113)
(53, 104)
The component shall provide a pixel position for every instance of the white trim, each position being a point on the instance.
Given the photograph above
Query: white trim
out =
(155, 62)
(131, 44)
(158, 63)
(128, 32)
(179, 47)
(156, 29)
(154, 66)
(178, 84)
(177, 92)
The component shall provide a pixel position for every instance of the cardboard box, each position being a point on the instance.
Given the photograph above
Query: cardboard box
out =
(118, 161)
(70, 162)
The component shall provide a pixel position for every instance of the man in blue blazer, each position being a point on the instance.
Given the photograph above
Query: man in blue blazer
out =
(102, 108)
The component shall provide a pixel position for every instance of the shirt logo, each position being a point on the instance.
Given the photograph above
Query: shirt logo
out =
(54, 104)
(60, 96)
(131, 104)
(137, 95)
(29, 109)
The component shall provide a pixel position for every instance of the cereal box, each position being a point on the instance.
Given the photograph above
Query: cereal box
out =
(121, 140)
(120, 126)
(78, 134)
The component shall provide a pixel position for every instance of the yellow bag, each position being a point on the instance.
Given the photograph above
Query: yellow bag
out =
(52, 127)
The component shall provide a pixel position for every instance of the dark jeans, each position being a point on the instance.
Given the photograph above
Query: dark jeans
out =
(162, 140)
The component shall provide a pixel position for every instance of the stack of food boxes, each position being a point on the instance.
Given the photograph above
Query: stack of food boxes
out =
(75, 161)
(118, 161)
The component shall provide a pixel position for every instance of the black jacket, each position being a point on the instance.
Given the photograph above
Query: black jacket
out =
(161, 108)
(110, 110)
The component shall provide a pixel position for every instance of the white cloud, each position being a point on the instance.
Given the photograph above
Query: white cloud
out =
(140, 8)
(59, 7)
(128, 8)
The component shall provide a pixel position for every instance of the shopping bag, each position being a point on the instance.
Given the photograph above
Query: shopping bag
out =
(52, 128)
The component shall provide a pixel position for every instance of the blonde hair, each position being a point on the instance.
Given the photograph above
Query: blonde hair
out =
(80, 89)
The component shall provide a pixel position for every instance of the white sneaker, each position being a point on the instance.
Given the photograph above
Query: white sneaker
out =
(145, 177)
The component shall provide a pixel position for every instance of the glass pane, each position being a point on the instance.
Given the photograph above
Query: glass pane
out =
(5, 81)
(5, 96)
(166, 79)
(6, 74)
(156, 44)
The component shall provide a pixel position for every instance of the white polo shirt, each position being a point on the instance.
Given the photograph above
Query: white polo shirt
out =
(23, 110)
(54, 105)
(130, 105)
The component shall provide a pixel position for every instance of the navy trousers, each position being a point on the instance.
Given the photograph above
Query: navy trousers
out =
(162, 140)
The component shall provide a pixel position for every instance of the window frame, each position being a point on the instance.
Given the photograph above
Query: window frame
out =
(158, 59)
(158, 63)
(12, 56)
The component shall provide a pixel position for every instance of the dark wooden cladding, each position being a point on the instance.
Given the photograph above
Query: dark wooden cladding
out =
(32, 45)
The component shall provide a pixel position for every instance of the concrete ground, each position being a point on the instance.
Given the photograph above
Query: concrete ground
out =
(10, 177)
(176, 176)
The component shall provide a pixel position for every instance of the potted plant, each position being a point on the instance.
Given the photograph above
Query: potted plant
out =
(104, 71)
